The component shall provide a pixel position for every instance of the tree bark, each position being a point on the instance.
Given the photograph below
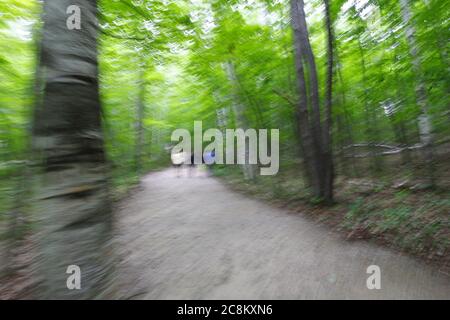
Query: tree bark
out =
(424, 121)
(248, 169)
(327, 143)
(302, 114)
(72, 204)
(315, 139)
(140, 109)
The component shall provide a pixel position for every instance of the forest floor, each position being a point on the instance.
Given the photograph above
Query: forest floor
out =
(191, 237)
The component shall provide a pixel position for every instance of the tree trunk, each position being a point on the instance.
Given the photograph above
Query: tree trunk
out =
(424, 121)
(371, 125)
(397, 120)
(327, 143)
(302, 114)
(316, 142)
(72, 205)
(248, 169)
(140, 119)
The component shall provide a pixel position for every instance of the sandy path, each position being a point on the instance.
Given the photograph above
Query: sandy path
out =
(192, 238)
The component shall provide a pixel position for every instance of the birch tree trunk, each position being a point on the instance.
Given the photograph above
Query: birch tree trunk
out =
(72, 205)
(424, 121)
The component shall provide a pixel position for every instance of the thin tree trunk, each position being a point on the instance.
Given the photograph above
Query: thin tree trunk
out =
(248, 169)
(424, 121)
(315, 138)
(302, 114)
(398, 122)
(72, 204)
(140, 119)
(327, 143)
(371, 127)
(313, 92)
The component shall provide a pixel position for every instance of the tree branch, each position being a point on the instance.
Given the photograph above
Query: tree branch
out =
(285, 97)
(391, 149)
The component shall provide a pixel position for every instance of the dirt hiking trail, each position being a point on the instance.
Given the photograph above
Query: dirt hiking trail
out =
(190, 237)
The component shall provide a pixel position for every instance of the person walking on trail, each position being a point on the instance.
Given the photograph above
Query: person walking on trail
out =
(178, 159)
(209, 159)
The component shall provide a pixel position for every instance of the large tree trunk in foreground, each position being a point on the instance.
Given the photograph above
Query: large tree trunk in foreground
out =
(72, 205)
